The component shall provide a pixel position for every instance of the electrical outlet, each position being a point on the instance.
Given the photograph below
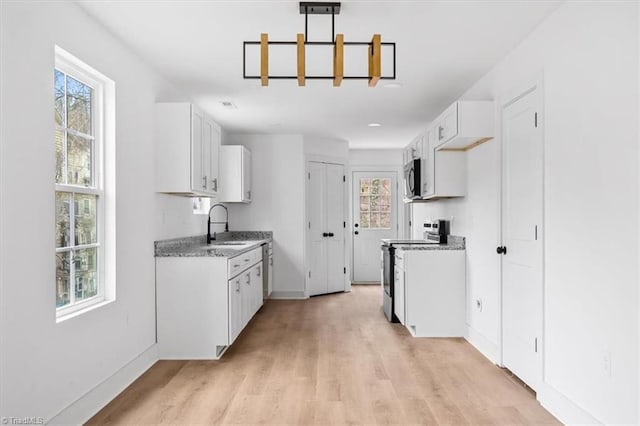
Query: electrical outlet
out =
(479, 304)
(606, 363)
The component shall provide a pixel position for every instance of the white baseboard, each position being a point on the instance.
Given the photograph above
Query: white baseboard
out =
(562, 407)
(288, 294)
(486, 347)
(93, 401)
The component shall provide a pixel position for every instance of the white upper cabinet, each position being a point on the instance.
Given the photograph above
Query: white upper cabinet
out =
(444, 173)
(464, 125)
(187, 146)
(235, 174)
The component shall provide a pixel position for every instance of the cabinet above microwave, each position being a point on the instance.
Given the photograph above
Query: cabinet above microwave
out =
(464, 125)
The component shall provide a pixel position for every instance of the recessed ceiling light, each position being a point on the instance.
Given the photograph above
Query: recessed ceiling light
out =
(392, 86)
(374, 125)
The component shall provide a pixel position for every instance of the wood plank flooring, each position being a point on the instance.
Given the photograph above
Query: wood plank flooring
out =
(329, 360)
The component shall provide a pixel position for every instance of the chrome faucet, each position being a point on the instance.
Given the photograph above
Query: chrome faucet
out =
(226, 223)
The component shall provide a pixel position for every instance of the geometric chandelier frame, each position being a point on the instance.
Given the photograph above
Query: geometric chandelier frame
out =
(338, 43)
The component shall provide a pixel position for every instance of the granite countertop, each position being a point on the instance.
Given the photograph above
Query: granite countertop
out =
(453, 243)
(244, 241)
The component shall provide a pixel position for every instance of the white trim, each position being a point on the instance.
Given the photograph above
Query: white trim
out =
(486, 347)
(103, 180)
(288, 295)
(85, 407)
(562, 407)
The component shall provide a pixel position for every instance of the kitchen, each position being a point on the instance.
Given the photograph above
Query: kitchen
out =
(585, 54)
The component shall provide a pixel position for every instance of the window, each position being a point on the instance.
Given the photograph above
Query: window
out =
(375, 203)
(79, 115)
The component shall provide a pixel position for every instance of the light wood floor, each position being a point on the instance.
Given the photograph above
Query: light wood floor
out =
(329, 360)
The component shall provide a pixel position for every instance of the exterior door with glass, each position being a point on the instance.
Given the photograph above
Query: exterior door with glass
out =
(375, 217)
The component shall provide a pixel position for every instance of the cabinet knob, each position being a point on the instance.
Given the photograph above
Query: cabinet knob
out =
(501, 250)
(356, 232)
(204, 182)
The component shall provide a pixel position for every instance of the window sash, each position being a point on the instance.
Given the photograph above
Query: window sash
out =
(84, 75)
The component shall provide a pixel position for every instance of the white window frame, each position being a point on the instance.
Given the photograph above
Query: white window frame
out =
(103, 170)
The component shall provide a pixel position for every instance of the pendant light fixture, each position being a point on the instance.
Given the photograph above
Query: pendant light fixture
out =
(338, 43)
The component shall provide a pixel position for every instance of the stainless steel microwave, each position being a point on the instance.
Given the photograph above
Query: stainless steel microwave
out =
(412, 187)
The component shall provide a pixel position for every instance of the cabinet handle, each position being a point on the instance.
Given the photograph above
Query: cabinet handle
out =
(235, 265)
(270, 261)
(204, 182)
(214, 183)
(258, 272)
(249, 194)
(246, 260)
(440, 133)
(238, 286)
(248, 279)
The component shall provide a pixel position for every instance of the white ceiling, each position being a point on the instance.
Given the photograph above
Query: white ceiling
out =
(443, 47)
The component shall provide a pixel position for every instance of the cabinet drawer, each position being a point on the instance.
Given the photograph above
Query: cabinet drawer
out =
(243, 261)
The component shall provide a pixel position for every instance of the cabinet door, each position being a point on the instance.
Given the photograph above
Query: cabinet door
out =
(235, 309)
(270, 277)
(257, 280)
(246, 174)
(447, 126)
(247, 297)
(398, 293)
(198, 180)
(428, 170)
(211, 154)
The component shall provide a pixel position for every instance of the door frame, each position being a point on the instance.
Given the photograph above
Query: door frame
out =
(534, 83)
(400, 205)
(330, 160)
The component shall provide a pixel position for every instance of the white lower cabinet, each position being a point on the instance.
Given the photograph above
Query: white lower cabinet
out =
(204, 303)
(430, 292)
(399, 287)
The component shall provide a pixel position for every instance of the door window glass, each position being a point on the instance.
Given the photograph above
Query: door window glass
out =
(375, 203)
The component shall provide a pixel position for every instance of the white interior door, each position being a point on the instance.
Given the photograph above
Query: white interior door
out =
(375, 217)
(335, 227)
(522, 237)
(326, 233)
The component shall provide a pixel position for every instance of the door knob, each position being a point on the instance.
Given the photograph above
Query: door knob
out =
(501, 250)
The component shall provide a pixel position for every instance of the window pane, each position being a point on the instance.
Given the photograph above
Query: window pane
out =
(79, 154)
(86, 278)
(63, 236)
(85, 214)
(364, 186)
(364, 220)
(375, 186)
(385, 220)
(79, 106)
(364, 203)
(375, 220)
(62, 279)
(385, 203)
(386, 186)
(375, 203)
(59, 140)
(59, 98)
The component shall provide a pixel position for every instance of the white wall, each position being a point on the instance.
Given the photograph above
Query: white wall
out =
(277, 166)
(477, 218)
(45, 366)
(375, 157)
(587, 53)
